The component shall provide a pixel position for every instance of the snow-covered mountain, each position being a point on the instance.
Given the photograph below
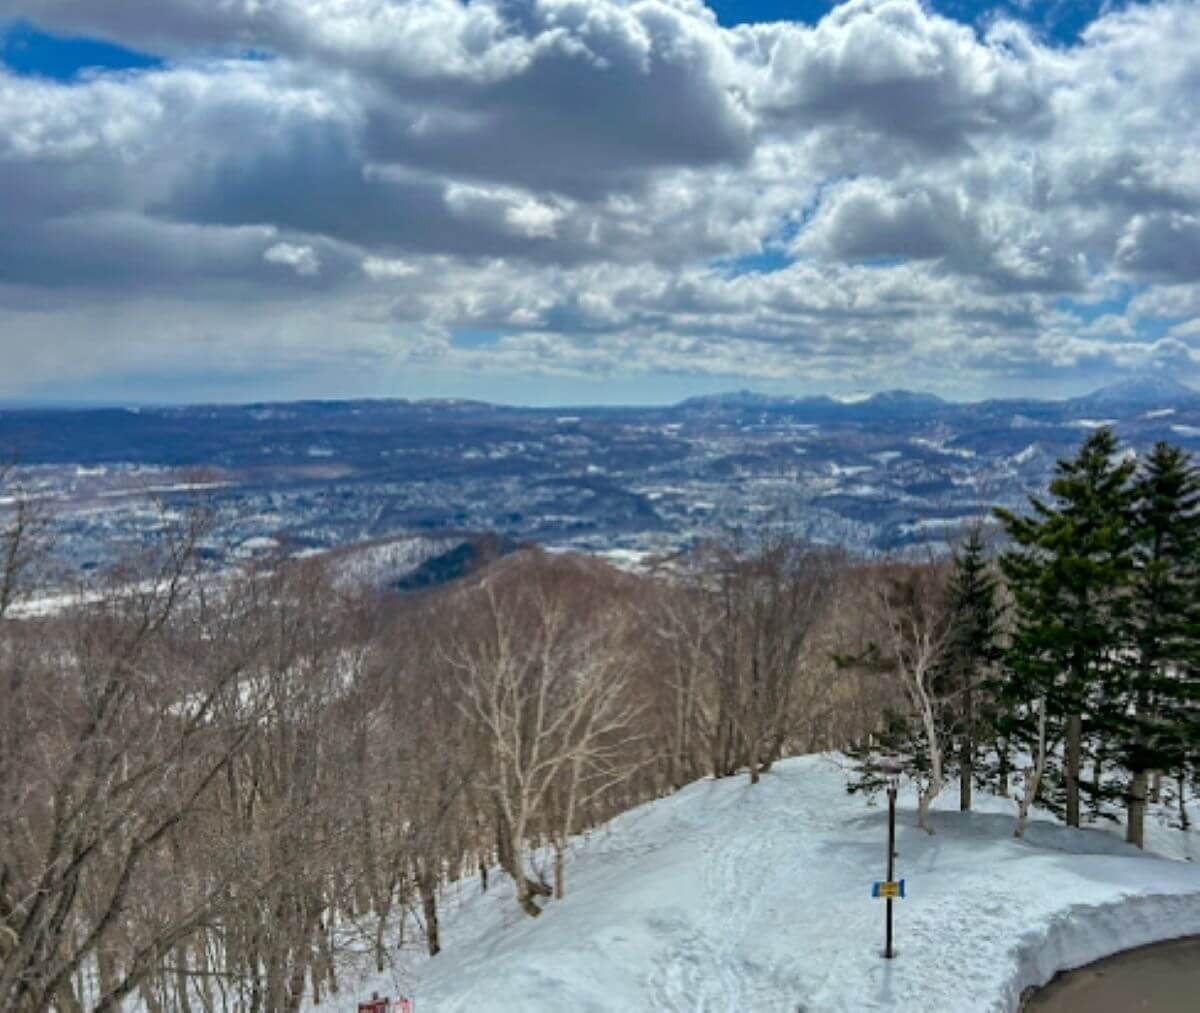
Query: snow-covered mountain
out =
(1149, 390)
(730, 897)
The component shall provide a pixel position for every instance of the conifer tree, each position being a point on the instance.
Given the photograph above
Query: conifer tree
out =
(972, 649)
(1068, 572)
(1151, 712)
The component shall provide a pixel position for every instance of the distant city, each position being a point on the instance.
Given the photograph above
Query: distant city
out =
(891, 471)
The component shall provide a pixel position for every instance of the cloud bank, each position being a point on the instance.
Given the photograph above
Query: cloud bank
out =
(602, 189)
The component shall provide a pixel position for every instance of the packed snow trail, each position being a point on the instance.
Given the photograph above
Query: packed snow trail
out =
(732, 897)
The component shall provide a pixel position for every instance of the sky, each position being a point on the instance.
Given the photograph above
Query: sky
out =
(595, 201)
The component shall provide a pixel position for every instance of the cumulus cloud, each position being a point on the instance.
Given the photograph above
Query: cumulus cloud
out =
(892, 66)
(302, 259)
(620, 186)
(1164, 245)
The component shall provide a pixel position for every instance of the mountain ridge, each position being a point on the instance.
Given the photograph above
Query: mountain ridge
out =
(1137, 389)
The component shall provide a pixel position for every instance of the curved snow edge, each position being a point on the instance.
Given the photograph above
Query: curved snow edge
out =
(1084, 933)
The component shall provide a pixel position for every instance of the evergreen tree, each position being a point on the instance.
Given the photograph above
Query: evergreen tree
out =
(1151, 717)
(1068, 573)
(972, 650)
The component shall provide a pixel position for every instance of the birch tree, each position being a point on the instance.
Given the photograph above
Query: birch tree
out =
(547, 691)
(908, 605)
(1034, 771)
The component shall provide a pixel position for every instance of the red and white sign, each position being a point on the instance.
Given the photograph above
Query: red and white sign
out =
(385, 1005)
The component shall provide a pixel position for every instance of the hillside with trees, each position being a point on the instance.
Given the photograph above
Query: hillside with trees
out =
(220, 786)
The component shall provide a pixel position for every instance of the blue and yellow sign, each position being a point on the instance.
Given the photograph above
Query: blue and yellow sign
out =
(888, 890)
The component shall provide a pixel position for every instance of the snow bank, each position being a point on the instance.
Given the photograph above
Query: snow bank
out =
(731, 897)
(1084, 934)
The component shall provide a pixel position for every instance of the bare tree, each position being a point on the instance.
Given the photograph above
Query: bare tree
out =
(22, 539)
(109, 764)
(770, 600)
(547, 690)
(908, 605)
(682, 621)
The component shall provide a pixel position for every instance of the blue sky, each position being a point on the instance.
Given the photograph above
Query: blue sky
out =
(592, 200)
(26, 49)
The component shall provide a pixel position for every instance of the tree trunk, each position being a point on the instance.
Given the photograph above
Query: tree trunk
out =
(1184, 822)
(66, 1001)
(1136, 820)
(105, 964)
(525, 896)
(1033, 775)
(558, 872)
(966, 756)
(1156, 787)
(181, 979)
(427, 888)
(1074, 737)
(148, 998)
(930, 791)
(325, 954)
(966, 773)
(527, 889)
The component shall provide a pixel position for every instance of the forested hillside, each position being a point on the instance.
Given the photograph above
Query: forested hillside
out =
(218, 787)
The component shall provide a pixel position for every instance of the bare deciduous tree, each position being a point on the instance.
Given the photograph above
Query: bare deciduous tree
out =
(908, 605)
(548, 691)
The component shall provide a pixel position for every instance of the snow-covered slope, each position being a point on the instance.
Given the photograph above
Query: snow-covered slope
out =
(732, 897)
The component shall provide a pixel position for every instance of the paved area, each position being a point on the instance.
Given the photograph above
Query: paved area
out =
(1164, 978)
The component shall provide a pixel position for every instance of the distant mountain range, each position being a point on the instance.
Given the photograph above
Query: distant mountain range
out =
(1136, 391)
(873, 473)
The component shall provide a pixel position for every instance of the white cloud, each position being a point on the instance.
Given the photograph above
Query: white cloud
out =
(302, 259)
(384, 268)
(610, 185)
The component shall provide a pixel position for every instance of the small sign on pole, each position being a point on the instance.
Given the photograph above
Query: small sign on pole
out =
(888, 890)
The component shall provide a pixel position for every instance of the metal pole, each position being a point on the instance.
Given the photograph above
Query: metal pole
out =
(891, 863)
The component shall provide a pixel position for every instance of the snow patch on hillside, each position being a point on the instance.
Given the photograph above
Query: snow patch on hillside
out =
(383, 562)
(727, 896)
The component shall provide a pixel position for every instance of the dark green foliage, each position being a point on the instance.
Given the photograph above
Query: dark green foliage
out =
(972, 651)
(1068, 573)
(1157, 717)
(895, 738)
(1101, 622)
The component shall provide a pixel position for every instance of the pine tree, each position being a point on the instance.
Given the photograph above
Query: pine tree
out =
(1068, 573)
(1152, 715)
(972, 649)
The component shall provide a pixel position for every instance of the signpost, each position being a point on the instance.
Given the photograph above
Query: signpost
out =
(890, 889)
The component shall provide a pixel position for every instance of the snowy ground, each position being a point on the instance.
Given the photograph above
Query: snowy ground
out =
(731, 897)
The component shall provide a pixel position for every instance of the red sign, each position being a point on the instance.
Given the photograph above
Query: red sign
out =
(385, 1005)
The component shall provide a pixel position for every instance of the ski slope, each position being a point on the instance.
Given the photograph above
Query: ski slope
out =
(727, 896)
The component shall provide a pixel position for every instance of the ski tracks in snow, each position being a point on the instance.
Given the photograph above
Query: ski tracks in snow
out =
(718, 959)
